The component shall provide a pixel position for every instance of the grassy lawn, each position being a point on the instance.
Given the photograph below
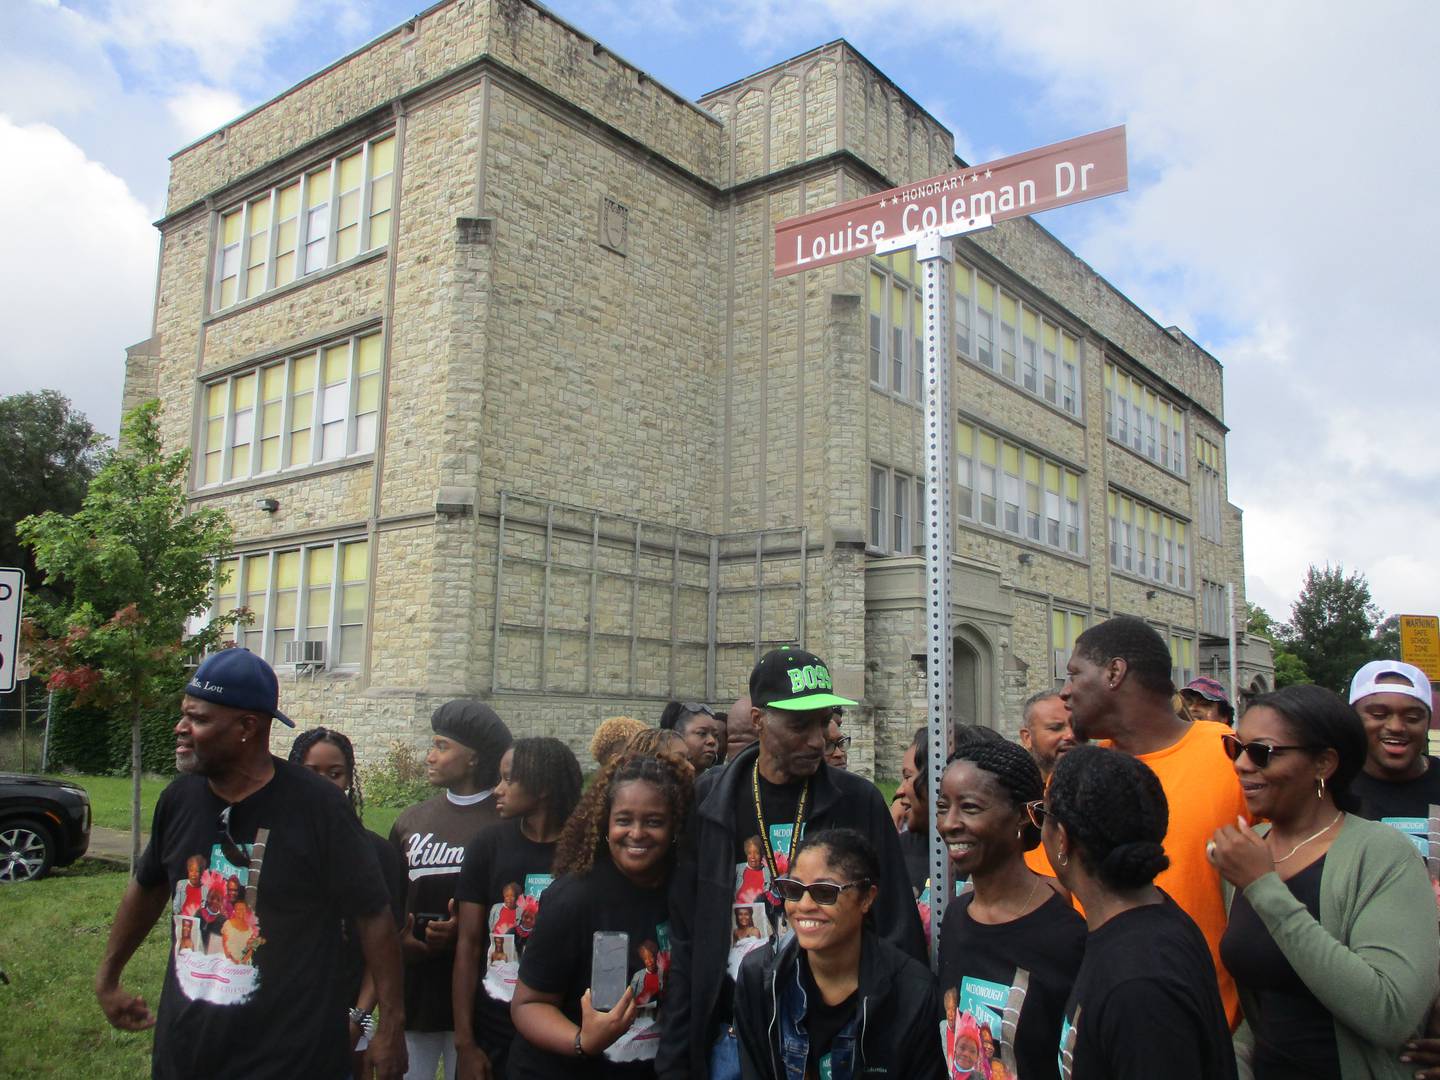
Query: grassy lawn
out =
(52, 933)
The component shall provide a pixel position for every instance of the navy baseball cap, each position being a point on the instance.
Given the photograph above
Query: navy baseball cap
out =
(793, 680)
(238, 679)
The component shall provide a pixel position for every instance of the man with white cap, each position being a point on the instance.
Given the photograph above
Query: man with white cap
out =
(1400, 782)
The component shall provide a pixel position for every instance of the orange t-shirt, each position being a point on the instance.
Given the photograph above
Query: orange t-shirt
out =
(1204, 793)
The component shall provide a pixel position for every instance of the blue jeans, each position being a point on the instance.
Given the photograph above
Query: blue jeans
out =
(725, 1055)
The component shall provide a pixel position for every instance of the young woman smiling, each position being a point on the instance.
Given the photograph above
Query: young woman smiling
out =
(837, 1001)
(1009, 949)
(1329, 939)
(539, 786)
(614, 860)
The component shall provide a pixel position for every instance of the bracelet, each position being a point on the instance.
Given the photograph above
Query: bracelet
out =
(579, 1049)
(364, 1021)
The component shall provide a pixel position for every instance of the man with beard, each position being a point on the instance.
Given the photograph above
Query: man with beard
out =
(769, 795)
(240, 810)
(1118, 690)
(1045, 729)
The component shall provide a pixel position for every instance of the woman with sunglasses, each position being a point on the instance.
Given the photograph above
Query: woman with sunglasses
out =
(1331, 938)
(837, 1001)
(1145, 1001)
(1010, 947)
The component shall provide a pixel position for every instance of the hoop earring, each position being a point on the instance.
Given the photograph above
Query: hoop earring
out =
(1320, 787)
(1062, 859)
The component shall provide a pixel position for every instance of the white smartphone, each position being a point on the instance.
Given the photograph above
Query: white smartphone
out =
(609, 968)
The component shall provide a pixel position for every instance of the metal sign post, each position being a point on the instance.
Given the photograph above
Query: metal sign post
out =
(926, 216)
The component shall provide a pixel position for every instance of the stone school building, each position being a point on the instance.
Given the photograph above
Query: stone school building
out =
(474, 334)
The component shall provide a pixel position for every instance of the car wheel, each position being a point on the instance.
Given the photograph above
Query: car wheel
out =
(26, 851)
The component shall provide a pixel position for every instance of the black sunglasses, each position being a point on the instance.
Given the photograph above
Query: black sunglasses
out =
(695, 708)
(1258, 752)
(842, 743)
(232, 851)
(1035, 811)
(825, 893)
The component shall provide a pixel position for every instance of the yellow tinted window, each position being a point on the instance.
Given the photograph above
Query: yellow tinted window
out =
(318, 191)
(1007, 309)
(964, 439)
(877, 294)
(369, 358)
(245, 391)
(1012, 460)
(986, 297)
(337, 364)
(257, 574)
(987, 449)
(368, 398)
(287, 570)
(230, 228)
(322, 563)
(302, 373)
(351, 171)
(382, 156)
(259, 216)
(1052, 477)
(357, 561)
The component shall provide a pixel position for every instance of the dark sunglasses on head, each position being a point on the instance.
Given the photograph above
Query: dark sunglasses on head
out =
(1258, 752)
(842, 743)
(1035, 811)
(825, 893)
(695, 708)
(232, 851)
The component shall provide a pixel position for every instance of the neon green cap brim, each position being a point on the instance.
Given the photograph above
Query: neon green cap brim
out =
(810, 701)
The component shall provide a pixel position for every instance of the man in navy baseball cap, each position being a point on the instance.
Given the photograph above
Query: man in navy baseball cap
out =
(238, 679)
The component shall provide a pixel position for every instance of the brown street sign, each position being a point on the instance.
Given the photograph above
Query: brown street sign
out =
(1062, 173)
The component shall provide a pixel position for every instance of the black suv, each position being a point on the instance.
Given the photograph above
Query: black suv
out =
(43, 823)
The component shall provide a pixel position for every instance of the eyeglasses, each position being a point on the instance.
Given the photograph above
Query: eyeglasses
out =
(825, 893)
(232, 851)
(842, 743)
(1035, 811)
(1259, 752)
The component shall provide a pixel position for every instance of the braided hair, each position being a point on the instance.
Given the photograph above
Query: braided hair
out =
(307, 739)
(547, 769)
(585, 835)
(1115, 811)
(1014, 772)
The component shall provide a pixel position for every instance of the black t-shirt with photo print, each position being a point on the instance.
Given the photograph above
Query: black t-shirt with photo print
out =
(504, 872)
(251, 989)
(992, 970)
(557, 960)
(1146, 1003)
(1404, 805)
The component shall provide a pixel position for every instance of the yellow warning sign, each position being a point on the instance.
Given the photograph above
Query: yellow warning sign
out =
(1420, 643)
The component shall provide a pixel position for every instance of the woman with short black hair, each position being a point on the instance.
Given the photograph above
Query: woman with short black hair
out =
(1332, 938)
(1145, 1001)
(1011, 946)
(837, 1001)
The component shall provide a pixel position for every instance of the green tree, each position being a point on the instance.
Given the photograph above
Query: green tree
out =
(1289, 668)
(137, 568)
(1387, 639)
(1332, 625)
(48, 455)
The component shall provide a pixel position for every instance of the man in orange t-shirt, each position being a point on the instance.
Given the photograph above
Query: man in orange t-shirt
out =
(1119, 690)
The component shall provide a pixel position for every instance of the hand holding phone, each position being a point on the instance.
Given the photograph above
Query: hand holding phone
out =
(609, 968)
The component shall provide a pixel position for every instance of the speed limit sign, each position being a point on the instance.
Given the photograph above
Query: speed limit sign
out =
(12, 593)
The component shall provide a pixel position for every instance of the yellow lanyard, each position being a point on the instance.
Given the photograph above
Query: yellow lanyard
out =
(765, 832)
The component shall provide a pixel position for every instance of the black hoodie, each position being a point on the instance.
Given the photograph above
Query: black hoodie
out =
(896, 1005)
(702, 889)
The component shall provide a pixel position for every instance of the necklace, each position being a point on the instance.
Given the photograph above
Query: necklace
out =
(765, 832)
(1034, 884)
(1312, 836)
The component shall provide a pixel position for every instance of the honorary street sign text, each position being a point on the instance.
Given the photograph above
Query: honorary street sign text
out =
(1041, 179)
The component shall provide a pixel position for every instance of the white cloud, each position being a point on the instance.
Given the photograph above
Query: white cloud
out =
(198, 109)
(77, 278)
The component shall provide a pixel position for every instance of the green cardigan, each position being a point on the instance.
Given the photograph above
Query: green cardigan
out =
(1373, 959)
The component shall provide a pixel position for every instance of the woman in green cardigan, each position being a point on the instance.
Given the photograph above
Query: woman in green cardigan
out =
(1332, 936)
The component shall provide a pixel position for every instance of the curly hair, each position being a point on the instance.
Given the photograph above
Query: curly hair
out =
(547, 769)
(1135, 641)
(612, 735)
(1013, 770)
(847, 850)
(585, 835)
(1115, 811)
(307, 739)
(661, 742)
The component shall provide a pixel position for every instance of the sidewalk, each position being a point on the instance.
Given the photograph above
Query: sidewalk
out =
(111, 845)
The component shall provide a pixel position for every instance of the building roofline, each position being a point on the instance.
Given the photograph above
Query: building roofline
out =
(848, 46)
(414, 19)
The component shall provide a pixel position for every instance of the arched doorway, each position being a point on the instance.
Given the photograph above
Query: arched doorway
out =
(965, 705)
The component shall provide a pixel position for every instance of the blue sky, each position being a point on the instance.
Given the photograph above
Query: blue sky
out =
(1281, 210)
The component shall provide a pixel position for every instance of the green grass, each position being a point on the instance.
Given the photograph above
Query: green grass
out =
(52, 934)
(110, 798)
